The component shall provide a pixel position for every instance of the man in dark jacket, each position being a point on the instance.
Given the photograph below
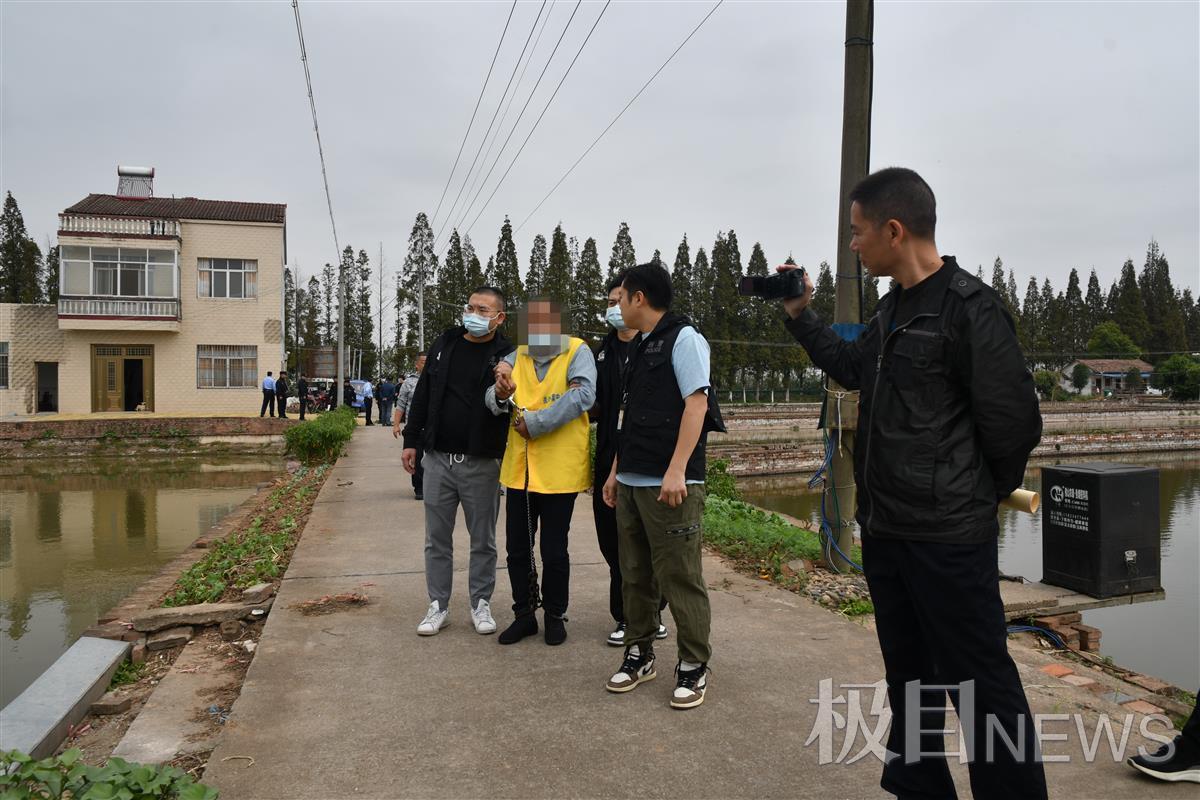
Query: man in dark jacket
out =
(612, 358)
(947, 419)
(302, 393)
(463, 442)
(282, 390)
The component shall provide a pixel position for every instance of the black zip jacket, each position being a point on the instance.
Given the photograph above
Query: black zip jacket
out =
(488, 432)
(608, 404)
(947, 414)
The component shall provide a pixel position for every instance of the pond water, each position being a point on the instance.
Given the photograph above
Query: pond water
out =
(1159, 638)
(76, 537)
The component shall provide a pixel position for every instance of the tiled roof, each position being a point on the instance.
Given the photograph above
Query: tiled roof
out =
(1121, 365)
(110, 205)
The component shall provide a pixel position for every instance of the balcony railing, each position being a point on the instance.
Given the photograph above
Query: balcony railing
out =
(119, 226)
(118, 308)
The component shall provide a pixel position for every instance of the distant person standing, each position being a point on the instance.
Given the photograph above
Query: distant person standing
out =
(387, 397)
(281, 394)
(348, 396)
(368, 396)
(268, 389)
(403, 400)
(302, 391)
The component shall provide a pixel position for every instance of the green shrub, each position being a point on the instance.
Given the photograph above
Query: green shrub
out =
(65, 776)
(718, 482)
(322, 437)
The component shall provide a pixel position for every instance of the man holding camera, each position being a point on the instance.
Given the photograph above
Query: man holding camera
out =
(947, 419)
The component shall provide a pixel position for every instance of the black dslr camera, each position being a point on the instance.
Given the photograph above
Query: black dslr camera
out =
(780, 286)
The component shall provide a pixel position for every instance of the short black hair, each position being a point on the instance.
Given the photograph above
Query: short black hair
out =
(268, 373)
(616, 280)
(900, 194)
(422, 354)
(494, 292)
(653, 281)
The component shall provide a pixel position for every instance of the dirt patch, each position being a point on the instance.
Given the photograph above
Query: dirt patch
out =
(331, 603)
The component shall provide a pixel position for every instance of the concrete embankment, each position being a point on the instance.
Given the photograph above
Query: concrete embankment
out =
(780, 439)
(137, 435)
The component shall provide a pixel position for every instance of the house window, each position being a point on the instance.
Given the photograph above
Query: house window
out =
(227, 278)
(3, 365)
(223, 366)
(117, 272)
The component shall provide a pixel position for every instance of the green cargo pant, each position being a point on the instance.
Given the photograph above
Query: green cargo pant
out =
(657, 542)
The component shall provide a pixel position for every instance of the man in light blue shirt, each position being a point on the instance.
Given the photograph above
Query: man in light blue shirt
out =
(268, 390)
(368, 396)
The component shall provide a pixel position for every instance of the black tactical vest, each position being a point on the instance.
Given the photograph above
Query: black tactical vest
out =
(654, 407)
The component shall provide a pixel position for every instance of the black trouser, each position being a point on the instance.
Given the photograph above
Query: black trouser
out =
(940, 621)
(367, 409)
(606, 536)
(268, 402)
(282, 401)
(418, 477)
(551, 521)
(303, 407)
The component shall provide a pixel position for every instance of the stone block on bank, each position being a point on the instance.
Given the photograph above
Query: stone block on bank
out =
(258, 593)
(172, 637)
(138, 654)
(112, 703)
(231, 630)
(1148, 683)
(156, 619)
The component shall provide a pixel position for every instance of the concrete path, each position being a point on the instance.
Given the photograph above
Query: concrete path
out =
(355, 704)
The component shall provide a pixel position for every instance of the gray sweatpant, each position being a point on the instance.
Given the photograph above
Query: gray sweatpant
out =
(473, 482)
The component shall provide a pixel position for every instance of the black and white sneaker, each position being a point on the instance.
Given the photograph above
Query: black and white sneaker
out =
(1171, 762)
(661, 633)
(635, 669)
(617, 637)
(690, 685)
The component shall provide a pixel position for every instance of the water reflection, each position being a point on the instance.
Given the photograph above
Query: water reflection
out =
(76, 537)
(1160, 638)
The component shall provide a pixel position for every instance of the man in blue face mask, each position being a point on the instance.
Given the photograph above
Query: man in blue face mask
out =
(463, 442)
(612, 358)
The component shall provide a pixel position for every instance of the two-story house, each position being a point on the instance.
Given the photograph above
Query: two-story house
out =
(165, 304)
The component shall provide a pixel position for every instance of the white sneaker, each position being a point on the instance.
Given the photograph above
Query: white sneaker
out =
(435, 620)
(482, 616)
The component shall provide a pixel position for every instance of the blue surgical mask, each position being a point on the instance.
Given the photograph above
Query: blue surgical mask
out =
(545, 345)
(477, 325)
(613, 315)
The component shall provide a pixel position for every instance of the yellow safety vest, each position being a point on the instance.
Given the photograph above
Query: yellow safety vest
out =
(559, 461)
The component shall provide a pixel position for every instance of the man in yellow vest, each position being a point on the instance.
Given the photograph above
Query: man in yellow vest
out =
(547, 386)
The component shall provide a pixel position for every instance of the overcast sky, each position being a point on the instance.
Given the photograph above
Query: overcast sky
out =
(1055, 135)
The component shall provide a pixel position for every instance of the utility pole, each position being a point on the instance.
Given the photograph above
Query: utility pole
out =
(379, 353)
(841, 406)
(341, 370)
(421, 314)
(299, 351)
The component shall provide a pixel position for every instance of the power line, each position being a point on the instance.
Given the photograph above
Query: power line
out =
(504, 117)
(476, 111)
(619, 115)
(539, 119)
(316, 128)
(521, 113)
(474, 161)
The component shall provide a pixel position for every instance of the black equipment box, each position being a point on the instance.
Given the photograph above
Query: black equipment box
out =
(1100, 528)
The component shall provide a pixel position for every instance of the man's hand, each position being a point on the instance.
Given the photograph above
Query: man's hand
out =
(795, 305)
(396, 424)
(522, 429)
(409, 459)
(674, 489)
(505, 386)
(609, 493)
